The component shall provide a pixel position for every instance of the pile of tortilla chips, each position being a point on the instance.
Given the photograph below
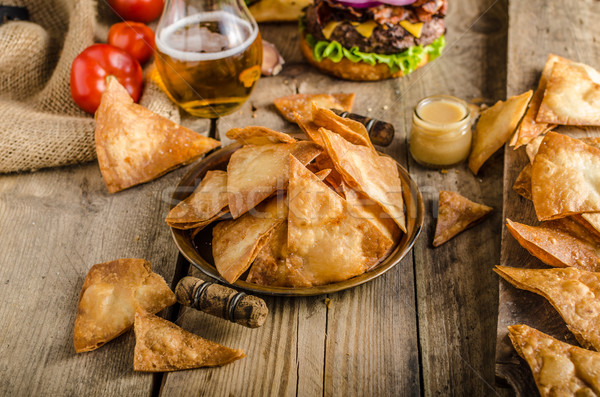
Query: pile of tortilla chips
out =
(563, 183)
(304, 213)
(123, 293)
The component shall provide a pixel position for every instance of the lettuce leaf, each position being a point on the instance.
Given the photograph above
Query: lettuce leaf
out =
(405, 61)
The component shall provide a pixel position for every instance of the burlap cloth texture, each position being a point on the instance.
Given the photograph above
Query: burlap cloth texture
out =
(40, 125)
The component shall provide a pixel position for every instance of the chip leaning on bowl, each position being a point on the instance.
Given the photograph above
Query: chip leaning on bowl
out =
(305, 213)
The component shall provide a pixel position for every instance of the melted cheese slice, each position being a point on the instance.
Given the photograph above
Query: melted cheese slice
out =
(329, 28)
(413, 28)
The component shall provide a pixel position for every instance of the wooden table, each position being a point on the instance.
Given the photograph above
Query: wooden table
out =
(427, 327)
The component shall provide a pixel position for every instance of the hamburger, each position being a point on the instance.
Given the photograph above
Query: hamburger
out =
(372, 40)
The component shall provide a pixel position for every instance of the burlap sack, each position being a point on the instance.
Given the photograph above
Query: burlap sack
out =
(40, 125)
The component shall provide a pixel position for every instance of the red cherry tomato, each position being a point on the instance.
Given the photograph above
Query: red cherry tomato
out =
(137, 10)
(135, 38)
(91, 68)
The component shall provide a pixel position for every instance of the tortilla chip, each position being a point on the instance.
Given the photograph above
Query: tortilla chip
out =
(559, 369)
(162, 346)
(529, 128)
(494, 127)
(564, 177)
(455, 215)
(302, 104)
(257, 135)
(572, 292)
(522, 184)
(135, 145)
(326, 243)
(255, 172)
(111, 293)
(366, 171)
(572, 96)
(204, 205)
(322, 174)
(351, 130)
(533, 146)
(558, 243)
(237, 242)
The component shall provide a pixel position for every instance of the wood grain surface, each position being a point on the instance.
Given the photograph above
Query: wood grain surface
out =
(536, 29)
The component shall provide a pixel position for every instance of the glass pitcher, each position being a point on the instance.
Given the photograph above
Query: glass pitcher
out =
(208, 55)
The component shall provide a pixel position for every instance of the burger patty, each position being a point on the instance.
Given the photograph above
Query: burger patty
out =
(385, 39)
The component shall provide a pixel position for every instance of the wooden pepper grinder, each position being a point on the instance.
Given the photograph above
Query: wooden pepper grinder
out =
(221, 301)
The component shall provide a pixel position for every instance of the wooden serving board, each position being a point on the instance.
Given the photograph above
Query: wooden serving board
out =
(527, 54)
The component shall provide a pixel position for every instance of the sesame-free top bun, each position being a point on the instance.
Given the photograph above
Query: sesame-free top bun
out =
(348, 70)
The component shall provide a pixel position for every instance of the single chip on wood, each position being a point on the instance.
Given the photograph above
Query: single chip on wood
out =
(135, 145)
(456, 214)
(559, 243)
(302, 104)
(162, 346)
(572, 96)
(572, 292)
(559, 369)
(564, 177)
(109, 297)
(207, 203)
(495, 126)
(529, 128)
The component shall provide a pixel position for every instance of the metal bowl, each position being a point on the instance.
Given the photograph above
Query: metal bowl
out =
(198, 250)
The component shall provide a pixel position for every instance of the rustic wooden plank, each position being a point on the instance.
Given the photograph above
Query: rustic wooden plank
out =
(456, 288)
(55, 224)
(364, 342)
(536, 29)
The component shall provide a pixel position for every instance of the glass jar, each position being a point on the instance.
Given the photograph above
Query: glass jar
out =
(441, 131)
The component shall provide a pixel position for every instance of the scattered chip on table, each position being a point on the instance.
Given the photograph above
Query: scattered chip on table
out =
(456, 214)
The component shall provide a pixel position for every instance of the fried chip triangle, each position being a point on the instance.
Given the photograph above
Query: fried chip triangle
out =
(572, 292)
(204, 205)
(258, 135)
(572, 95)
(529, 128)
(456, 214)
(302, 104)
(560, 243)
(494, 127)
(326, 243)
(109, 297)
(366, 171)
(351, 130)
(237, 242)
(135, 145)
(161, 346)
(255, 172)
(559, 369)
(564, 177)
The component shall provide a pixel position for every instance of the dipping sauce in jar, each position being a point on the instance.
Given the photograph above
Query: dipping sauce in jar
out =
(441, 131)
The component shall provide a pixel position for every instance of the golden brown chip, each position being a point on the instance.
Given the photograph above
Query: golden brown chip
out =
(322, 174)
(257, 135)
(564, 177)
(135, 145)
(559, 369)
(302, 104)
(162, 346)
(456, 214)
(572, 292)
(111, 293)
(529, 128)
(533, 146)
(572, 96)
(256, 172)
(204, 205)
(366, 171)
(326, 243)
(494, 127)
(237, 242)
(351, 130)
(522, 184)
(558, 243)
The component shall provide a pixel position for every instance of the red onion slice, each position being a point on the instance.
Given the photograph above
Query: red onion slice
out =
(370, 3)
